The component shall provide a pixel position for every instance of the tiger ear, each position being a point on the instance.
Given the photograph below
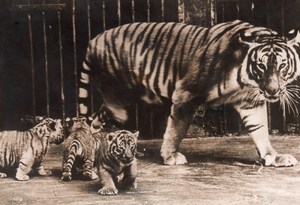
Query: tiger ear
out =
(296, 40)
(247, 39)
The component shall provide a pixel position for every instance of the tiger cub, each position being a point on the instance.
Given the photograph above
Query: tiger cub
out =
(115, 156)
(25, 150)
(79, 149)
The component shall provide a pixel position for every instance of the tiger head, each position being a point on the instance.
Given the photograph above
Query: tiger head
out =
(122, 145)
(51, 129)
(270, 65)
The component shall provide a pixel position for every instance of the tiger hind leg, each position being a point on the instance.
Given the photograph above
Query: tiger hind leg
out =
(67, 166)
(88, 173)
(177, 126)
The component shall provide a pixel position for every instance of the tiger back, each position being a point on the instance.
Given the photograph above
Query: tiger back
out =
(115, 155)
(25, 150)
(186, 66)
(79, 151)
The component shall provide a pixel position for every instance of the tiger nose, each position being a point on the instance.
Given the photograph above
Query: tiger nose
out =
(272, 86)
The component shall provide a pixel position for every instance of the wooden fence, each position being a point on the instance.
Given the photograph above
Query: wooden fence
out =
(45, 41)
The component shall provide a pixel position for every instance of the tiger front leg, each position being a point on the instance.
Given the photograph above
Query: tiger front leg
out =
(178, 123)
(25, 166)
(129, 181)
(255, 120)
(107, 182)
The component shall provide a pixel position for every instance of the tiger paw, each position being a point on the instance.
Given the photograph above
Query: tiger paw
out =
(66, 176)
(281, 160)
(175, 159)
(108, 191)
(3, 175)
(22, 177)
(90, 176)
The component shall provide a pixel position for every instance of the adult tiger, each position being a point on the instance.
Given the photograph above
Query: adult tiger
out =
(25, 149)
(230, 63)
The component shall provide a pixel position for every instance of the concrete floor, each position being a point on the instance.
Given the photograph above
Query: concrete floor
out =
(220, 171)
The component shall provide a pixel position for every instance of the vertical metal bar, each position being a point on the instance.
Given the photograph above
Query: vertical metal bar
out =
(103, 15)
(268, 104)
(181, 17)
(252, 12)
(46, 64)
(298, 115)
(133, 10)
(137, 116)
(282, 17)
(62, 92)
(268, 15)
(284, 126)
(148, 11)
(89, 18)
(90, 36)
(32, 65)
(237, 10)
(151, 124)
(225, 119)
(162, 10)
(75, 54)
(223, 11)
(213, 12)
(119, 11)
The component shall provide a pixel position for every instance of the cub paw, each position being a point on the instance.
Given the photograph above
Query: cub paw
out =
(3, 175)
(108, 191)
(66, 176)
(128, 184)
(175, 159)
(22, 177)
(88, 176)
(284, 160)
(44, 172)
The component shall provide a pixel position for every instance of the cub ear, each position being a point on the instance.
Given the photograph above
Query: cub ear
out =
(110, 136)
(136, 134)
(294, 37)
(52, 126)
(39, 118)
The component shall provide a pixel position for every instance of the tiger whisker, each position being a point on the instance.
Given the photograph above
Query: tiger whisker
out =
(290, 100)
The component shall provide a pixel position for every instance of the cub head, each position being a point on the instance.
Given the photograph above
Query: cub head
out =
(77, 123)
(122, 145)
(269, 66)
(50, 128)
